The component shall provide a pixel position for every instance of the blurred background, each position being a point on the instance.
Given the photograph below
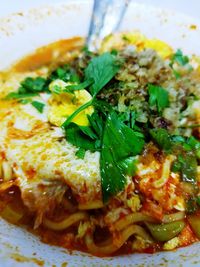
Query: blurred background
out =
(190, 7)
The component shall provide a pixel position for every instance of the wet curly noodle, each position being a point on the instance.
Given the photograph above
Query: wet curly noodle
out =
(100, 152)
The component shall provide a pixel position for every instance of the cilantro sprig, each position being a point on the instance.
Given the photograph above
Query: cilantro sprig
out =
(158, 97)
(38, 105)
(29, 87)
(100, 70)
(117, 143)
(181, 60)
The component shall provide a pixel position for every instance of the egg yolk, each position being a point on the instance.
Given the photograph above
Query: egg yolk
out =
(62, 105)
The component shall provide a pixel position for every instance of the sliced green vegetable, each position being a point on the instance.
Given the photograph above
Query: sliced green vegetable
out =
(191, 205)
(38, 105)
(194, 221)
(165, 232)
(187, 165)
(198, 200)
(158, 97)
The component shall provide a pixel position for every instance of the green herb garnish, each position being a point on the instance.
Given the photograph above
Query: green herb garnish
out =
(158, 97)
(14, 95)
(29, 87)
(119, 143)
(100, 70)
(64, 73)
(179, 58)
(80, 153)
(33, 85)
(162, 138)
(38, 105)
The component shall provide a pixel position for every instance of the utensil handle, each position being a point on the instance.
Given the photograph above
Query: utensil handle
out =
(106, 18)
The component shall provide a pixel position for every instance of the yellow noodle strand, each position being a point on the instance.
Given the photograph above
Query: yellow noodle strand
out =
(64, 224)
(132, 218)
(5, 185)
(165, 172)
(111, 248)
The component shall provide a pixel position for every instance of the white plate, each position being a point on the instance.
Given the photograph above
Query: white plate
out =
(20, 34)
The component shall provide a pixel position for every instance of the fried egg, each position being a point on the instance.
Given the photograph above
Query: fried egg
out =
(44, 163)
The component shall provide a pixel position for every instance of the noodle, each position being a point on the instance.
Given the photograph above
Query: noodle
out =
(62, 225)
(1, 171)
(6, 171)
(111, 248)
(11, 215)
(68, 205)
(165, 172)
(96, 204)
(132, 218)
(85, 165)
(5, 185)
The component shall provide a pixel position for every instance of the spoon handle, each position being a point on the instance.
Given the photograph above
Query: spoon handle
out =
(106, 18)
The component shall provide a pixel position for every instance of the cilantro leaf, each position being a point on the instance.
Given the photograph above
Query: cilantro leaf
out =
(29, 87)
(80, 137)
(119, 143)
(158, 97)
(162, 138)
(65, 73)
(33, 84)
(38, 105)
(179, 58)
(101, 70)
(96, 123)
(128, 166)
(80, 153)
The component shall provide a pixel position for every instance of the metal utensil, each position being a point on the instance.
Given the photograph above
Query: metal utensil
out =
(106, 18)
